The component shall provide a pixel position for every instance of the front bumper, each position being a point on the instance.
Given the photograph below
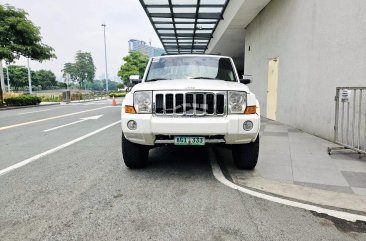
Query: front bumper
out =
(230, 127)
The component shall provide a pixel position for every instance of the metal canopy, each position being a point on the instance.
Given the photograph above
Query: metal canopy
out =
(184, 26)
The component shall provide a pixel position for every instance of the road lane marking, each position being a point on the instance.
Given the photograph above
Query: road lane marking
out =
(58, 127)
(53, 150)
(75, 122)
(50, 118)
(31, 112)
(334, 213)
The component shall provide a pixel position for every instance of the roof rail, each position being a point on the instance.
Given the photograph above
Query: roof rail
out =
(170, 54)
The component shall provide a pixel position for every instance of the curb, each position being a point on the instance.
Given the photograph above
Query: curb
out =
(347, 215)
(26, 106)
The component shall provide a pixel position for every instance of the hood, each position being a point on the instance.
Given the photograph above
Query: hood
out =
(190, 85)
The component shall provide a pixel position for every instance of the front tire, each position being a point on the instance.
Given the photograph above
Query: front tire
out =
(135, 156)
(245, 156)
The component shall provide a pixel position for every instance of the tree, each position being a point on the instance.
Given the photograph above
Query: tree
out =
(19, 37)
(120, 86)
(83, 70)
(112, 85)
(44, 78)
(98, 85)
(135, 64)
(61, 85)
(18, 76)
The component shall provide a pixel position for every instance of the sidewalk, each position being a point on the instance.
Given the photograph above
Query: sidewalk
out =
(295, 164)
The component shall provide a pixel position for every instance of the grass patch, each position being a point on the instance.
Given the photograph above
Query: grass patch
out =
(7, 95)
(52, 97)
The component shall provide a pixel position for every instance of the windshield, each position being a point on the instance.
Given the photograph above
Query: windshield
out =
(191, 67)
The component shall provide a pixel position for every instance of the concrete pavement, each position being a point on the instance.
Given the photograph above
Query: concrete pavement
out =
(84, 192)
(296, 165)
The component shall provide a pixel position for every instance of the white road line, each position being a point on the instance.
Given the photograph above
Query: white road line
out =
(58, 127)
(75, 122)
(50, 118)
(43, 154)
(31, 112)
(334, 213)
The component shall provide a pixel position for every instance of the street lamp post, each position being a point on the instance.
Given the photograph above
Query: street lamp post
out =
(105, 57)
(29, 78)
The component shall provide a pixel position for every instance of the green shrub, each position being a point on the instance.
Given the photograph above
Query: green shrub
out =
(23, 100)
(117, 94)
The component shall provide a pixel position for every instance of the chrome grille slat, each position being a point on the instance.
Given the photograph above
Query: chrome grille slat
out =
(174, 103)
(190, 103)
(215, 101)
(221, 109)
(194, 104)
(205, 104)
(184, 104)
(164, 105)
(169, 104)
(200, 108)
(210, 106)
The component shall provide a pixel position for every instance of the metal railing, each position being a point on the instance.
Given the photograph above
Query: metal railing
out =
(84, 97)
(350, 119)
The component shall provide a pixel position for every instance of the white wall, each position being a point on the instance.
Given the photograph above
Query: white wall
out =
(321, 44)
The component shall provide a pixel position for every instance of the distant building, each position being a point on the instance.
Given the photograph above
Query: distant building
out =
(141, 46)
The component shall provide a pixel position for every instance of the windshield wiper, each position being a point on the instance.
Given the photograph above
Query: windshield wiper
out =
(199, 77)
(156, 79)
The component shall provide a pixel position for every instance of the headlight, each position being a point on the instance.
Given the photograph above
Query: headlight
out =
(142, 101)
(237, 102)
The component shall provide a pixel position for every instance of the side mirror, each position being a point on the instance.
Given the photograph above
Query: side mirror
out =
(136, 81)
(247, 79)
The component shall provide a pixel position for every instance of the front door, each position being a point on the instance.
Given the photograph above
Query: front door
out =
(272, 88)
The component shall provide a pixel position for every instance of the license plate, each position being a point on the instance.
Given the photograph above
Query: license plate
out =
(189, 141)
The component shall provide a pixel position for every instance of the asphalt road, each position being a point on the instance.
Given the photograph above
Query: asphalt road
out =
(84, 192)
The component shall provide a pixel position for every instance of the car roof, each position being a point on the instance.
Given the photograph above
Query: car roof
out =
(191, 55)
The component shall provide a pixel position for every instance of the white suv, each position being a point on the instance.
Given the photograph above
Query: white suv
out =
(190, 100)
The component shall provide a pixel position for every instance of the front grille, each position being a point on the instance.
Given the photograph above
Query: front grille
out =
(190, 103)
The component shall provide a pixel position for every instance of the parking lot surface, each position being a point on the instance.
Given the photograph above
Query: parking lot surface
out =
(82, 191)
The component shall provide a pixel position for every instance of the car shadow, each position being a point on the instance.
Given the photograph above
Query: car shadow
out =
(178, 162)
(178, 157)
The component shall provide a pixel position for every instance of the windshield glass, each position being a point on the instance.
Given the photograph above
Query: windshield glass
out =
(191, 67)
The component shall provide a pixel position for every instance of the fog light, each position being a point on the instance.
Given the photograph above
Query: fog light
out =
(248, 125)
(132, 125)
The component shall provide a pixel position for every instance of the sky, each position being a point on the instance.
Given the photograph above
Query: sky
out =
(72, 25)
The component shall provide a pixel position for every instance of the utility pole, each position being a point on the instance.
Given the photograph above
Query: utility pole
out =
(2, 81)
(7, 76)
(105, 57)
(29, 78)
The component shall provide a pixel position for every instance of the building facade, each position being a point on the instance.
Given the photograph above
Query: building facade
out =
(298, 52)
(141, 46)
